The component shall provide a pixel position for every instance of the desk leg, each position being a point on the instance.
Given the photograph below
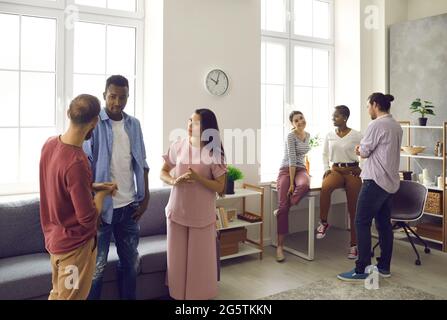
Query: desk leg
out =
(311, 238)
(310, 255)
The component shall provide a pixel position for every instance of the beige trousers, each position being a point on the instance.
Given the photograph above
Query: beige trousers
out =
(73, 272)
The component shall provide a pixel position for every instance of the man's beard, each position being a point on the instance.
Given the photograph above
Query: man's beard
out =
(89, 135)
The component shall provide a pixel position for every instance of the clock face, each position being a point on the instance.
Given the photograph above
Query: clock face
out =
(217, 82)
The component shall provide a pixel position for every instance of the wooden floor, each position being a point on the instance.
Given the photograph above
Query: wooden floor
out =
(248, 278)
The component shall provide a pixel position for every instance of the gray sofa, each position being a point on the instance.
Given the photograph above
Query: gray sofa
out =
(25, 270)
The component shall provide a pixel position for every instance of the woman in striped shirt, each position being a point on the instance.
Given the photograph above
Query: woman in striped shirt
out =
(293, 179)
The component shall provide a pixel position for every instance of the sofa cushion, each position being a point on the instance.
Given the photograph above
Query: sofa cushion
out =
(153, 254)
(153, 222)
(25, 277)
(20, 229)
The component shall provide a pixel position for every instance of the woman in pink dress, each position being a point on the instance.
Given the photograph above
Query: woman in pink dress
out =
(198, 173)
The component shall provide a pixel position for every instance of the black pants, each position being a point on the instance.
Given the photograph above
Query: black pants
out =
(373, 203)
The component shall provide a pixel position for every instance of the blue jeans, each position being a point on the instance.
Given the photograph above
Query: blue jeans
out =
(126, 233)
(373, 203)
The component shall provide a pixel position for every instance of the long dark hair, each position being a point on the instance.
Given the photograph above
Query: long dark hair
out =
(382, 100)
(293, 114)
(208, 121)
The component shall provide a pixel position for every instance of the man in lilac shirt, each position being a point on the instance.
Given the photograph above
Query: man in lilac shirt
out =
(381, 149)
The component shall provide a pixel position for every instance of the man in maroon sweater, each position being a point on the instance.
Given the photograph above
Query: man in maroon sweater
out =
(69, 213)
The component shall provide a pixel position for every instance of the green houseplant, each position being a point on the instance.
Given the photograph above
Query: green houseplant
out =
(424, 108)
(233, 174)
(314, 142)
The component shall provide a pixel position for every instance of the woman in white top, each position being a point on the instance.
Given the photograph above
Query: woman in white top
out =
(339, 150)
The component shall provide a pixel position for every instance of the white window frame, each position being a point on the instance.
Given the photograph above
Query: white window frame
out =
(62, 4)
(139, 52)
(329, 41)
(58, 4)
(64, 61)
(331, 84)
(290, 39)
(138, 14)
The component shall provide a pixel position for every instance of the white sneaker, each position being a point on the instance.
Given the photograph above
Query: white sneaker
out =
(275, 213)
(321, 230)
(353, 253)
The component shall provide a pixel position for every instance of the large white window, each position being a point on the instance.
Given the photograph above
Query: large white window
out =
(55, 50)
(297, 73)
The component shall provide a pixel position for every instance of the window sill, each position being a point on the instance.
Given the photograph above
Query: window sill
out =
(18, 197)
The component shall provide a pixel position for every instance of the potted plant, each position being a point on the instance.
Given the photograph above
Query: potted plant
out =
(314, 142)
(424, 108)
(233, 174)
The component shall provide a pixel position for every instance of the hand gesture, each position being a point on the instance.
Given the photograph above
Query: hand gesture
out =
(291, 190)
(193, 175)
(108, 187)
(185, 178)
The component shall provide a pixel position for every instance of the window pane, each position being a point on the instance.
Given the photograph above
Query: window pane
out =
(37, 96)
(9, 161)
(276, 15)
(276, 63)
(263, 62)
(321, 19)
(9, 54)
(274, 105)
(321, 68)
(9, 82)
(320, 110)
(272, 149)
(125, 5)
(303, 66)
(38, 44)
(90, 48)
(93, 3)
(84, 84)
(130, 107)
(303, 101)
(263, 15)
(31, 144)
(303, 17)
(121, 50)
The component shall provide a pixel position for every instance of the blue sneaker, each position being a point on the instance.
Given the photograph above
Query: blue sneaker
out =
(352, 276)
(384, 273)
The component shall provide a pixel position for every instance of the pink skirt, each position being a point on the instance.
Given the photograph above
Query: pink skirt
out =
(192, 259)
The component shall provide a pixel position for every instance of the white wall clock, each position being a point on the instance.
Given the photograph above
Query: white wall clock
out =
(217, 82)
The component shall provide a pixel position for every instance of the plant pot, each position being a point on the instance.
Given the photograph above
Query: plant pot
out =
(423, 122)
(230, 187)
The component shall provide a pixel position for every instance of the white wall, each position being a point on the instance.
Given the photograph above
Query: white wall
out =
(347, 58)
(374, 43)
(373, 53)
(200, 35)
(153, 89)
(418, 9)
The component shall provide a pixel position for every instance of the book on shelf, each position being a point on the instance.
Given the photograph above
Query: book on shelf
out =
(218, 220)
(223, 217)
(231, 214)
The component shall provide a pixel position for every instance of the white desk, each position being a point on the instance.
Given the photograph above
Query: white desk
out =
(315, 188)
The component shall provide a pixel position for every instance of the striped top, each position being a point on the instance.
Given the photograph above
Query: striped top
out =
(295, 150)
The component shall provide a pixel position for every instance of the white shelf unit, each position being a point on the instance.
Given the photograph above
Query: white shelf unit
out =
(244, 250)
(248, 247)
(421, 156)
(407, 125)
(420, 127)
